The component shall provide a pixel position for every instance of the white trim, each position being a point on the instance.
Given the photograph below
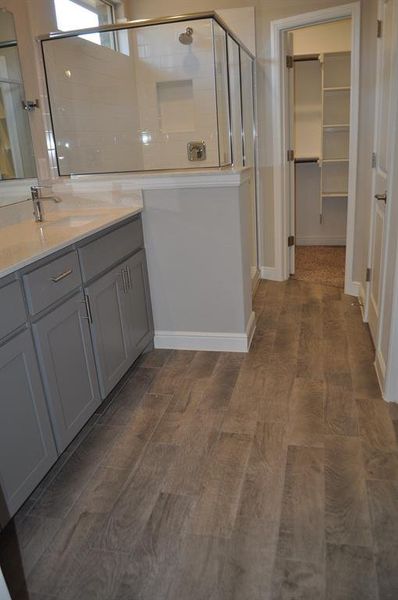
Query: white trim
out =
(250, 329)
(313, 240)
(281, 210)
(380, 368)
(270, 273)
(210, 341)
(255, 281)
(353, 288)
(209, 178)
(391, 379)
(362, 302)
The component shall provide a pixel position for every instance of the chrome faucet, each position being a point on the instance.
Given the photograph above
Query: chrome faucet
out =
(37, 200)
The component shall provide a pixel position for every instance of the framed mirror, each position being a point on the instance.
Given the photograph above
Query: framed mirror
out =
(16, 148)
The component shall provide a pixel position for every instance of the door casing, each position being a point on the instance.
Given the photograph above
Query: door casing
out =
(282, 134)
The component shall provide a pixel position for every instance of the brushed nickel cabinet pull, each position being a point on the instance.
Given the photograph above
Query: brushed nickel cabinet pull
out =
(61, 276)
(129, 278)
(86, 301)
(124, 280)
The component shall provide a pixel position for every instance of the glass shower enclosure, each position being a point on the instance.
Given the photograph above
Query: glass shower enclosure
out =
(152, 95)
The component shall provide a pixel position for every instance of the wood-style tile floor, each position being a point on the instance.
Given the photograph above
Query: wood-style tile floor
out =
(212, 476)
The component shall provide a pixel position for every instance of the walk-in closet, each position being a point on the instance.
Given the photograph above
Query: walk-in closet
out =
(321, 100)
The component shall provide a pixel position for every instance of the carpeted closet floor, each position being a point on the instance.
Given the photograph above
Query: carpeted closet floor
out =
(321, 264)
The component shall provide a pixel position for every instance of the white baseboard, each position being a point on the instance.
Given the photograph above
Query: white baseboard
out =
(250, 329)
(270, 273)
(380, 367)
(197, 340)
(352, 288)
(255, 281)
(362, 302)
(320, 241)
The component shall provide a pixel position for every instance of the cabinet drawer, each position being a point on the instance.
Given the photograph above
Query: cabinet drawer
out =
(111, 248)
(12, 308)
(49, 283)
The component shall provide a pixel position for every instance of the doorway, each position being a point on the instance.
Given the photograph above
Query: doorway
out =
(321, 91)
(316, 98)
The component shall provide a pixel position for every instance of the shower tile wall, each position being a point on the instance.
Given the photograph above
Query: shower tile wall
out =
(93, 91)
(176, 93)
(135, 106)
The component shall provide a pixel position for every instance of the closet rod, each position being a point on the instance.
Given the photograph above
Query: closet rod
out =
(306, 57)
(306, 160)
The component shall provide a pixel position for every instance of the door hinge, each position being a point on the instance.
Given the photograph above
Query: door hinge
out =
(289, 61)
(379, 28)
(374, 160)
(290, 155)
(290, 240)
(368, 274)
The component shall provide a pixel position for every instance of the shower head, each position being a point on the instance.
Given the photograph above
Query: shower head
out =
(186, 37)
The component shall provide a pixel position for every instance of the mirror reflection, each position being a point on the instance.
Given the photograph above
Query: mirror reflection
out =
(16, 149)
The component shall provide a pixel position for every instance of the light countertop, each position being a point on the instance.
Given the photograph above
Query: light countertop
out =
(25, 242)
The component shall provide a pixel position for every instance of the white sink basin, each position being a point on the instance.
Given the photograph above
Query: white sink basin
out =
(72, 221)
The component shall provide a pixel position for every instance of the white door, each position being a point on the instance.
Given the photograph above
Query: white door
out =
(382, 150)
(291, 175)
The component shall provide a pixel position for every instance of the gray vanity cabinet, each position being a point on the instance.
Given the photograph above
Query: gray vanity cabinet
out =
(68, 368)
(109, 326)
(27, 449)
(121, 318)
(139, 321)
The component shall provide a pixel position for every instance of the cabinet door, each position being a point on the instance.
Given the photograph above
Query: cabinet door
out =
(107, 298)
(67, 363)
(27, 449)
(139, 312)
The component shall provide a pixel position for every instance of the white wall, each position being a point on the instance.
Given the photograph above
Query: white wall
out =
(309, 230)
(198, 252)
(266, 11)
(241, 21)
(331, 37)
(307, 109)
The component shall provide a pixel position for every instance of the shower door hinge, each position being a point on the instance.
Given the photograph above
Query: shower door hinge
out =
(289, 61)
(30, 105)
(290, 240)
(379, 28)
(290, 155)
(374, 160)
(368, 274)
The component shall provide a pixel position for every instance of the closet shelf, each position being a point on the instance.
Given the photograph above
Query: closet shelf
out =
(306, 159)
(335, 160)
(334, 194)
(337, 126)
(340, 88)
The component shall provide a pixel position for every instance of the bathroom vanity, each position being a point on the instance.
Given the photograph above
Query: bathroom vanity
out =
(75, 308)
(71, 324)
